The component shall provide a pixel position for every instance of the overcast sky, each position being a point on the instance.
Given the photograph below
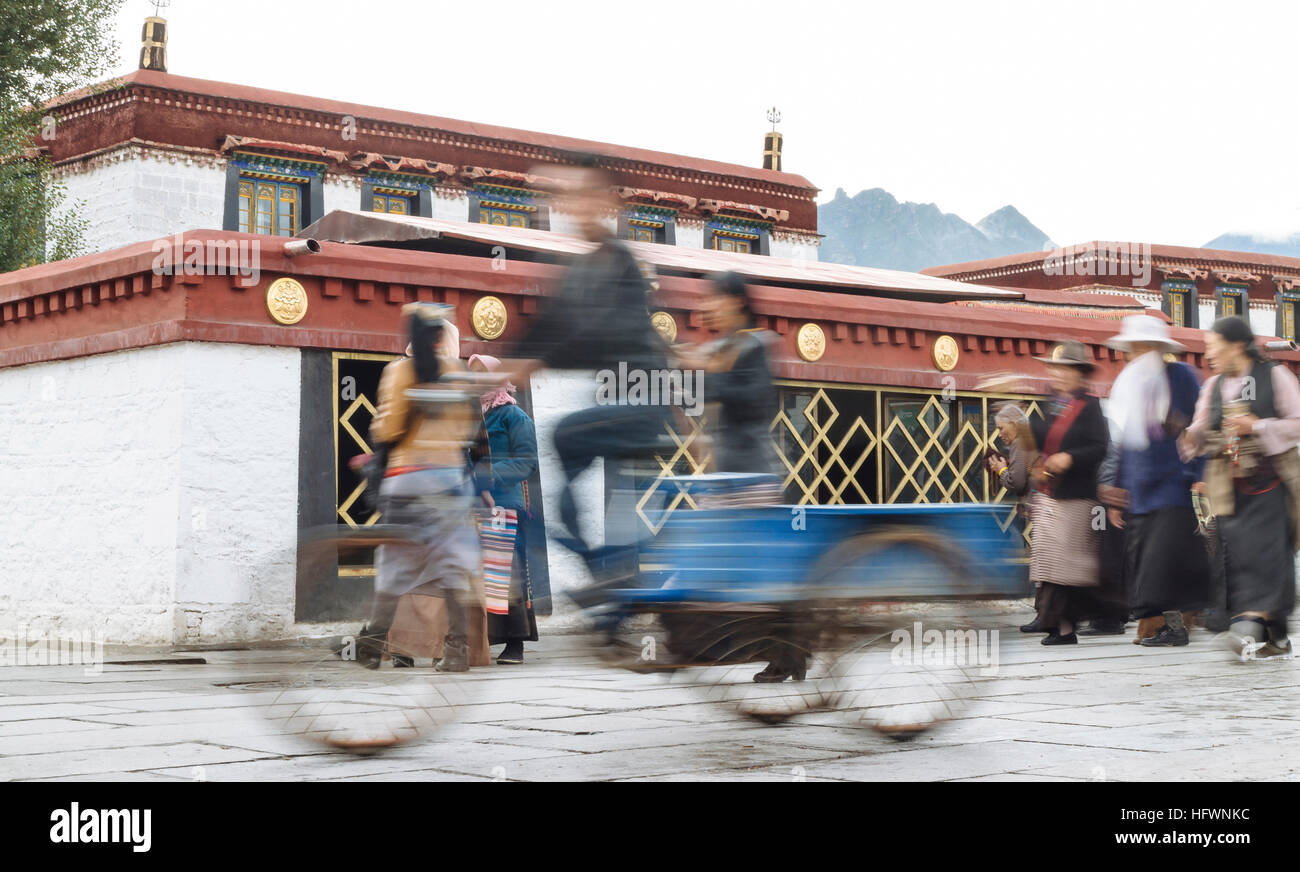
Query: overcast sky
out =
(1167, 122)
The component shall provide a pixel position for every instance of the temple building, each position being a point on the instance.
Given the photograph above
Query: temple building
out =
(1192, 287)
(182, 402)
(156, 153)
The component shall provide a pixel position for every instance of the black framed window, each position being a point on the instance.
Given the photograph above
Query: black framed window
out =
(646, 224)
(1180, 304)
(397, 195)
(271, 195)
(508, 207)
(1286, 315)
(743, 237)
(1231, 300)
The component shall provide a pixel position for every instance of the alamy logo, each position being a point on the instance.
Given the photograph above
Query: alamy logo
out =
(952, 647)
(77, 825)
(653, 387)
(22, 649)
(214, 257)
(1108, 259)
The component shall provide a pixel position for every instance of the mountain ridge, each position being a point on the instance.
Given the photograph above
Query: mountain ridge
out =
(873, 228)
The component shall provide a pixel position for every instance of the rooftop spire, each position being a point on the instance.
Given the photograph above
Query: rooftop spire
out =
(153, 39)
(772, 143)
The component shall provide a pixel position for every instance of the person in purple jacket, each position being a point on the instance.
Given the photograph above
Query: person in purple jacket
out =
(1151, 404)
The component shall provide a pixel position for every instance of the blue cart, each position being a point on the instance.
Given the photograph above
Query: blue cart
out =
(887, 611)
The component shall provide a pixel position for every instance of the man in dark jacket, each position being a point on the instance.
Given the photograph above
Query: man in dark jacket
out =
(598, 320)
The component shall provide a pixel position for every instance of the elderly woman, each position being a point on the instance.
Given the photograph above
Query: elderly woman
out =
(1247, 421)
(1011, 471)
(514, 459)
(430, 484)
(1072, 437)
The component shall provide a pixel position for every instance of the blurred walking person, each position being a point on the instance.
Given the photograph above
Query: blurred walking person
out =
(431, 483)
(1151, 405)
(1063, 548)
(598, 320)
(1247, 422)
(738, 377)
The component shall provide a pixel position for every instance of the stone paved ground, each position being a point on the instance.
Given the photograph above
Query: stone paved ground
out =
(1105, 709)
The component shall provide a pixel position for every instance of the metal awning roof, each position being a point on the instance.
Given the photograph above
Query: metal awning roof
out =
(349, 226)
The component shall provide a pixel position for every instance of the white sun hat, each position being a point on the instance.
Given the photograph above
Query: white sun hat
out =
(1143, 328)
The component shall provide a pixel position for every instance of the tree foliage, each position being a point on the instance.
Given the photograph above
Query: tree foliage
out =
(47, 48)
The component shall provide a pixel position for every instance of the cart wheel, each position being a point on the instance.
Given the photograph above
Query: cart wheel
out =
(723, 653)
(322, 693)
(900, 667)
(338, 703)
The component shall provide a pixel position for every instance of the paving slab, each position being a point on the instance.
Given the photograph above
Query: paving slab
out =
(1101, 710)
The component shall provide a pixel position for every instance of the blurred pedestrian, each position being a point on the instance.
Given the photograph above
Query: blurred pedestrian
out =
(598, 320)
(738, 378)
(1247, 422)
(514, 459)
(1150, 488)
(1073, 439)
(438, 467)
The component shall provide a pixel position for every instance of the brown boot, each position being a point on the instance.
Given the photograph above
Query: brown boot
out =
(1148, 627)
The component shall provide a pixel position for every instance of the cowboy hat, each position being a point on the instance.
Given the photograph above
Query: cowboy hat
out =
(1069, 353)
(1143, 329)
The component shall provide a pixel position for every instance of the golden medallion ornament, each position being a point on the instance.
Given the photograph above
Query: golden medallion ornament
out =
(945, 353)
(665, 326)
(489, 317)
(811, 342)
(286, 300)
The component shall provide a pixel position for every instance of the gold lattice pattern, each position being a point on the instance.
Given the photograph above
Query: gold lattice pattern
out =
(345, 424)
(830, 460)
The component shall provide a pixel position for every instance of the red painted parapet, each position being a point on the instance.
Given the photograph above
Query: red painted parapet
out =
(173, 289)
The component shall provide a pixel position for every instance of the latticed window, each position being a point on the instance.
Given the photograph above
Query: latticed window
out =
(642, 230)
(393, 204)
(741, 242)
(269, 206)
(504, 216)
(1232, 301)
(1178, 307)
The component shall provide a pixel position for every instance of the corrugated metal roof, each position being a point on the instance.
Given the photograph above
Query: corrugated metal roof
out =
(374, 227)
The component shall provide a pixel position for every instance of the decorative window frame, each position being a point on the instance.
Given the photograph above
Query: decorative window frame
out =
(1191, 302)
(419, 189)
(1288, 314)
(310, 175)
(759, 232)
(662, 221)
(490, 196)
(1239, 294)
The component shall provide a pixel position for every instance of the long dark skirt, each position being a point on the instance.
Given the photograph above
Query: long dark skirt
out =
(1059, 602)
(1109, 600)
(519, 624)
(1168, 567)
(1259, 554)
